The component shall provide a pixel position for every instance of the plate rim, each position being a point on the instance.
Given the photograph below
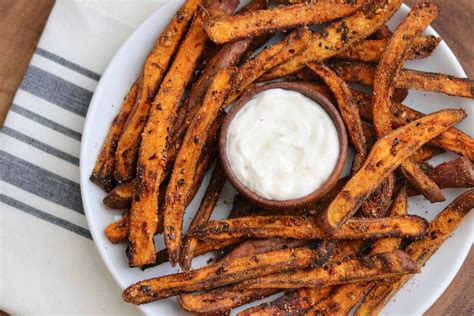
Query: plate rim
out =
(84, 174)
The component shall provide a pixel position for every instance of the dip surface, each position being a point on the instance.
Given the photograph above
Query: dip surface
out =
(282, 145)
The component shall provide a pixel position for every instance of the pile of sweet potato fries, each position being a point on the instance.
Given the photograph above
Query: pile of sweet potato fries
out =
(357, 243)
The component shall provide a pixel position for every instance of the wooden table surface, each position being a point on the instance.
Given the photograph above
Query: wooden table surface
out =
(22, 22)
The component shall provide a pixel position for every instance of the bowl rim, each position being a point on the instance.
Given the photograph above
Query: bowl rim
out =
(319, 192)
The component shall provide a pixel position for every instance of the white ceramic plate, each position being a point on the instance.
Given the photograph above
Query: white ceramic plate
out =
(415, 298)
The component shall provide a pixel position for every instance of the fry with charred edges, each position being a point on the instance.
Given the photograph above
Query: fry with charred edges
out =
(219, 274)
(344, 297)
(386, 155)
(121, 196)
(338, 36)
(388, 68)
(364, 74)
(302, 227)
(187, 161)
(224, 299)
(150, 79)
(420, 251)
(103, 173)
(348, 108)
(253, 68)
(452, 139)
(371, 50)
(373, 267)
(208, 202)
(152, 157)
(231, 28)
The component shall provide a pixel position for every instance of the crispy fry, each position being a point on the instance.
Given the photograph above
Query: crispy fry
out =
(208, 202)
(386, 155)
(348, 108)
(274, 55)
(426, 153)
(371, 50)
(187, 161)
(152, 156)
(224, 299)
(366, 268)
(420, 251)
(456, 173)
(218, 274)
(301, 227)
(377, 203)
(338, 36)
(121, 196)
(118, 230)
(388, 68)
(150, 79)
(381, 33)
(103, 173)
(363, 74)
(231, 28)
(453, 139)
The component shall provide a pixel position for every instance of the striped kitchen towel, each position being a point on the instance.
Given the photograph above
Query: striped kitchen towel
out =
(49, 264)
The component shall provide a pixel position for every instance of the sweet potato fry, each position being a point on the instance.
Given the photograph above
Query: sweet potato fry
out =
(153, 72)
(386, 155)
(187, 160)
(381, 33)
(388, 68)
(121, 196)
(103, 173)
(224, 299)
(453, 139)
(338, 36)
(208, 202)
(363, 74)
(344, 297)
(218, 274)
(152, 156)
(268, 58)
(366, 268)
(420, 251)
(456, 173)
(371, 50)
(301, 227)
(426, 153)
(232, 28)
(297, 302)
(348, 108)
(118, 230)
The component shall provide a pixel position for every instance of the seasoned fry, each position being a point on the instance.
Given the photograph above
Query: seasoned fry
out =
(456, 173)
(426, 153)
(386, 155)
(224, 299)
(121, 196)
(338, 36)
(363, 74)
(301, 227)
(366, 268)
(209, 201)
(103, 173)
(150, 79)
(371, 50)
(377, 203)
(274, 55)
(381, 33)
(232, 28)
(453, 139)
(420, 251)
(151, 161)
(118, 230)
(218, 274)
(348, 109)
(388, 68)
(187, 161)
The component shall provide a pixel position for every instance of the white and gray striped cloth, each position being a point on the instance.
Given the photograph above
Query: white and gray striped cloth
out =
(49, 264)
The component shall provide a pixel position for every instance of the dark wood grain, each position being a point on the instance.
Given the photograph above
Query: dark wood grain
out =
(22, 21)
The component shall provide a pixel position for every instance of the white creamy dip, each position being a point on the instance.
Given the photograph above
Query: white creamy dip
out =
(282, 145)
